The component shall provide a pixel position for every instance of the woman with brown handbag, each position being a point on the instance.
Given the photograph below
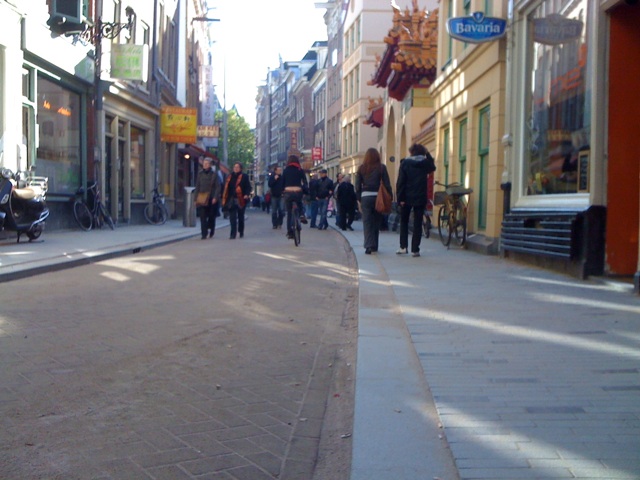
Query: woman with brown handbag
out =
(207, 195)
(370, 176)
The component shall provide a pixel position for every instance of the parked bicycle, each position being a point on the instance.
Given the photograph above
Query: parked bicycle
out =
(427, 224)
(452, 216)
(91, 213)
(156, 212)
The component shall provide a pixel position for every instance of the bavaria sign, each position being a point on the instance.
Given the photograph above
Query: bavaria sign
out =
(476, 28)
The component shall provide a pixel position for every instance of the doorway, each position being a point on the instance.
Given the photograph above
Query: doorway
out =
(623, 191)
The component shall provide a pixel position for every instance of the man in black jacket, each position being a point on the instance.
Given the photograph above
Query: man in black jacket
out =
(325, 191)
(411, 190)
(314, 183)
(276, 186)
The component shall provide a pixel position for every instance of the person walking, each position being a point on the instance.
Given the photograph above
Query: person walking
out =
(325, 191)
(295, 185)
(207, 182)
(370, 175)
(339, 179)
(314, 183)
(346, 203)
(411, 191)
(276, 186)
(237, 190)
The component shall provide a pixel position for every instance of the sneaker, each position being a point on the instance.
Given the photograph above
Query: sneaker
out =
(290, 235)
(402, 251)
(415, 254)
(303, 219)
(367, 251)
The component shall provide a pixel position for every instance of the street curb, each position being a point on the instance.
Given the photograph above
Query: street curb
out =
(406, 440)
(62, 263)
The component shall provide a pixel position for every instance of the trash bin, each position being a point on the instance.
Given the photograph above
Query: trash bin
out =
(189, 214)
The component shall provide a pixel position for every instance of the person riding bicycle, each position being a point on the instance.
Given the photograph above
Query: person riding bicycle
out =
(295, 185)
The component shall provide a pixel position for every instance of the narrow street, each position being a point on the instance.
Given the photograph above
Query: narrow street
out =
(213, 359)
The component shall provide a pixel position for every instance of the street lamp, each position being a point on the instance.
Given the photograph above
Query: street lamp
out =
(225, 157)
(95, 34)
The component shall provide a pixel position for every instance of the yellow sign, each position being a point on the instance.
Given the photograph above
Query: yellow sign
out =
(178, 125)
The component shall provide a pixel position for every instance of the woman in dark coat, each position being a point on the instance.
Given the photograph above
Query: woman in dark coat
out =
(347, 203)
(207, 181)
(370, 174)
(237, 190)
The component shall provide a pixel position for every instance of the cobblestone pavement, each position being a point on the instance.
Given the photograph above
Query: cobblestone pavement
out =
(213, 359)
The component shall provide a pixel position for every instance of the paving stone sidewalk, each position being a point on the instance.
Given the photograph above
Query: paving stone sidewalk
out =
(534, 374)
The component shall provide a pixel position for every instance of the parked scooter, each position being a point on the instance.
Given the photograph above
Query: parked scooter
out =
(22, 210)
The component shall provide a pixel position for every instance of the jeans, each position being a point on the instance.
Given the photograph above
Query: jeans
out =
(405, 213)
(370, 222)
(236, 219)
(323, 203)
(289, 198)
(313, 212)
(277, 211)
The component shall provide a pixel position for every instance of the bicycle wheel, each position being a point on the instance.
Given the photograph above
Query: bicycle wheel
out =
(296, 231)
(155, 213)
(106, 217)
(460, 225)
(426, 225)
(443, 226)
(82, 215)
(163, 213)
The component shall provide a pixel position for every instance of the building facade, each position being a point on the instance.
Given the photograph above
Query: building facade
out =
(362, 44)
(469, 96)
(90, 80)
(571, 153)
(47, 82)
(404, 72)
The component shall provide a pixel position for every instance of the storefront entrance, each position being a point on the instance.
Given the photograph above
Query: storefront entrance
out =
(623, 196)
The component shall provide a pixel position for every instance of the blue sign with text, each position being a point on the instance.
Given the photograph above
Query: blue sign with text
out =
(476, 28)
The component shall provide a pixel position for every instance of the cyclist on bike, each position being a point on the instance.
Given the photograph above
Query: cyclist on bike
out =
(295, 185)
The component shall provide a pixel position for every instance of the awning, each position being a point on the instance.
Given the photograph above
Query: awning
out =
(196, 152)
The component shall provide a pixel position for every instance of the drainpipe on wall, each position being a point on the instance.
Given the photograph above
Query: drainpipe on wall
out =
(156, 101)
(507, 140)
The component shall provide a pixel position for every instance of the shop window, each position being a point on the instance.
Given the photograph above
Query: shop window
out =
(445, 157)
(462, 151)
(27, 145)
(58, 153)
(558, 91)
(138, 152)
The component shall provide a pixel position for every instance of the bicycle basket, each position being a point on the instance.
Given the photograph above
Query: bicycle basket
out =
(458, 191)
(439, 197)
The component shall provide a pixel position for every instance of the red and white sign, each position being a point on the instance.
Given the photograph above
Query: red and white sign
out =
(316, 153)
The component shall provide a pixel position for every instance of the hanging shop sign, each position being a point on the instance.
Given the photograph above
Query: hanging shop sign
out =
(476, 28)
(209, 131)
(129, 62)
(178, 125)
(316, 153)
(555, 29)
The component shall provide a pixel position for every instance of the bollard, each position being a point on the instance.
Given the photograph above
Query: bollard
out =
(189, 214)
